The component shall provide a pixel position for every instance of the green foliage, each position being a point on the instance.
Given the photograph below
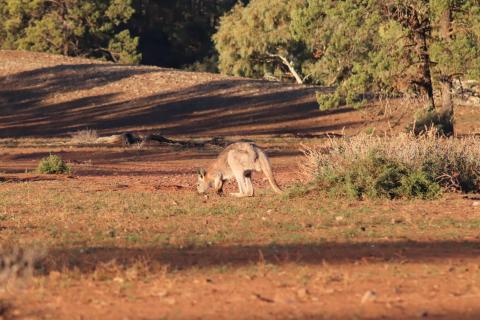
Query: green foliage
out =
(86, 28)
(404, 166)
(328, 101)
(360, 47)
(53, 164)
(250, 38)
(376, 176)
(178, 33)
(419, 184)
(123, 48)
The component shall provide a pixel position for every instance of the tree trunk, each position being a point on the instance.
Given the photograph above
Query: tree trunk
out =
(447, 111)
(427, 74)
(426, 83)
(420, 25)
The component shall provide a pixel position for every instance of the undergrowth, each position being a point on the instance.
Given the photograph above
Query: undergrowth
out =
(404, 166)
(426, 120)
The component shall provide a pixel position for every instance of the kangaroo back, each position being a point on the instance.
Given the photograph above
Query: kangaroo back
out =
(267, 170)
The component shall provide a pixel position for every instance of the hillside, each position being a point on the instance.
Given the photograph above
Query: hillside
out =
(49, 95)
(45, 95)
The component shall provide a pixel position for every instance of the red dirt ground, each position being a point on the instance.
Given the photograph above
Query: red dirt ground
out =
(426, 274)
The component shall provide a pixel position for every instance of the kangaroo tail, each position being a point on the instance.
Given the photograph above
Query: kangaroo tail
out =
(267, 170)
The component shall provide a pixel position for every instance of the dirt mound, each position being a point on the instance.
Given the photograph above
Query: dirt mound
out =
(45, 95)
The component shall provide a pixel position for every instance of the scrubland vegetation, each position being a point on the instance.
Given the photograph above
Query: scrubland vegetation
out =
(403, 166)
(368, 111)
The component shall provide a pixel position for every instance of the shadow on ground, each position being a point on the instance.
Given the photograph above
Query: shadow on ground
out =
(88, 259)
(224, 107)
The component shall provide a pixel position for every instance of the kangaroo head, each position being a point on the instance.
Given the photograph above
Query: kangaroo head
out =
(202, 183)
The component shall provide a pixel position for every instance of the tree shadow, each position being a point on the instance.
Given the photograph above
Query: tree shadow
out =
(221, 107)
(87, 260)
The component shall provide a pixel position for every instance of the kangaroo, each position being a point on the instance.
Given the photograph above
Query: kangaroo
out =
(238, 160)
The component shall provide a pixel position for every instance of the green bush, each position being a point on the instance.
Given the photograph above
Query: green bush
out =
(327, 101)
(404, 166)
(378, 177)
(53, 165)
(418, 184)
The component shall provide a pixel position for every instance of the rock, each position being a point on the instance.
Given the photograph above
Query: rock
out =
(302, 293)
(368, 297)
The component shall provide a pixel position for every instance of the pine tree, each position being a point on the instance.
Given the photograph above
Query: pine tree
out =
(361, 47)
(256, 40)
(69, 27)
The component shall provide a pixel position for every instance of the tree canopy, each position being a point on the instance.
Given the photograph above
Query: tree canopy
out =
(69, 27)
(166, 33)
(362, 47)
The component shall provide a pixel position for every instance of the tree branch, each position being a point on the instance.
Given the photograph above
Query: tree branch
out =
(289, 65)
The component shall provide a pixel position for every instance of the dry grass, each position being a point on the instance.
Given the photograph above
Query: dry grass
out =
(87, 136)
(453, 163)
(17, 263)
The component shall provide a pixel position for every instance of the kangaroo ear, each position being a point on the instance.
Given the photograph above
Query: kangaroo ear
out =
(201, 172)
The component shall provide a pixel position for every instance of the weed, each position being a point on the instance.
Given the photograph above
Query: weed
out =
(378, 177)
(298, 190)
(53, 164)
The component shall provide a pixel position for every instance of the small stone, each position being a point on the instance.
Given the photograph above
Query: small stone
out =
(476, 204)
(119, 280)
(368, 297)
(339, 218)
(161, 293)
(397, 220)
(302, 293)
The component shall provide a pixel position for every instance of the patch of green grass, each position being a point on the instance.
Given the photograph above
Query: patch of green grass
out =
(298, 190)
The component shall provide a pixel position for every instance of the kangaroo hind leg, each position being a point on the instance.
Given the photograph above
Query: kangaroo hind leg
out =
(239, 174)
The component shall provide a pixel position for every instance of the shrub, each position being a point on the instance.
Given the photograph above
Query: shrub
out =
(327, 101)
(404, 166)
(378, 177)
(53, 165)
